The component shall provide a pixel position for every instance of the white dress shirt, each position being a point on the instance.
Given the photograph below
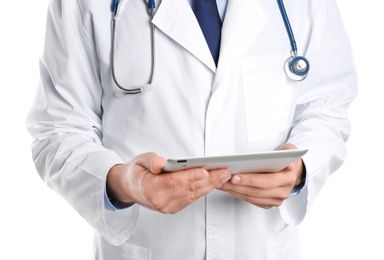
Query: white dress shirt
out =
(221, 6)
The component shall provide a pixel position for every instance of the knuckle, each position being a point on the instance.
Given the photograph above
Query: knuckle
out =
(189, 188)
(291, 178)
(166, 211)
(248, 199)
(255, 193)
(156, 202)
(195, 196)
(171, 181)
(285, 196)
(277, 203)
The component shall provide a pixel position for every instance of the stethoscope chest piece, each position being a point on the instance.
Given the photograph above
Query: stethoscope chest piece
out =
(296, 68)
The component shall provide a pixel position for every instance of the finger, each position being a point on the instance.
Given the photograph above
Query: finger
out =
(200, 179)
(175, 204)
(264, 180)
(150, 161)
(192, 184)
(218, 177)
(287, 146)
(177, 190)
(255, 180)
(274, 193)
(290, 167)
(178, 179)
(156, 164)
(216, 180)
(263, 200)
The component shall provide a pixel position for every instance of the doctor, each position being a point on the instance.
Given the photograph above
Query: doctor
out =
(103, 150)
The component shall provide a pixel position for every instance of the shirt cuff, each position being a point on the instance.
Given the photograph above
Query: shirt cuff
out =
(113, 205)
(303, 184)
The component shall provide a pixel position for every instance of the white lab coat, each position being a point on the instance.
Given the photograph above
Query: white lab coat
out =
(247, 104)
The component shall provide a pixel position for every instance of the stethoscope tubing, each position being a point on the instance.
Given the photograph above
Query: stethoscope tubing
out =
(287, 26)
(290, 68)
(127, 91)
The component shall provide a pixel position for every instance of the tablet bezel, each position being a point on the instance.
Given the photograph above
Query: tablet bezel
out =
(271, 161)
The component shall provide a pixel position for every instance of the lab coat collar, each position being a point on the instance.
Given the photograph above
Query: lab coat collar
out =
(176, 19)
(243, 20)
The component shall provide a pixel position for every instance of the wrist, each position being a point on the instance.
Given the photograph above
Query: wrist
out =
(116, 187)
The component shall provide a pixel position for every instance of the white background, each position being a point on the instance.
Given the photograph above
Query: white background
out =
(346, 221)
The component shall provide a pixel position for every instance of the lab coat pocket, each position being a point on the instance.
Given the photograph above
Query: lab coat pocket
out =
(268, 98)
(284, 244)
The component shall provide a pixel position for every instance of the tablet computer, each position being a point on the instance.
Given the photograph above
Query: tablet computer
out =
(272, 161)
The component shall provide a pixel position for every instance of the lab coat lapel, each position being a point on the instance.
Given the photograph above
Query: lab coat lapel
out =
(176, 19)
(244, 19)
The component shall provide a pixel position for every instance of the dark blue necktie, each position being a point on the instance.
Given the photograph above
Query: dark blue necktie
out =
(210, 22)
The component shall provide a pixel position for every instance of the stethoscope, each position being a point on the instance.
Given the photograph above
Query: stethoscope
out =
(296, 67)
(146, 87)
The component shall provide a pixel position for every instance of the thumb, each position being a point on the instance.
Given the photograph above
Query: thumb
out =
(156, 164)
(287, 146)
(151, 161)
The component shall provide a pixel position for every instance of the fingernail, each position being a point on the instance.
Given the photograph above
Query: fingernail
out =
(236, 179)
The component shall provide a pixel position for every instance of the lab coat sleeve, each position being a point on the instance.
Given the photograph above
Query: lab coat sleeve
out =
(321, 124)
(65, 122)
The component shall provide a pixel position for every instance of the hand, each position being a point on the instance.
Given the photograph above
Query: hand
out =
(266, 190)
(142, 182)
